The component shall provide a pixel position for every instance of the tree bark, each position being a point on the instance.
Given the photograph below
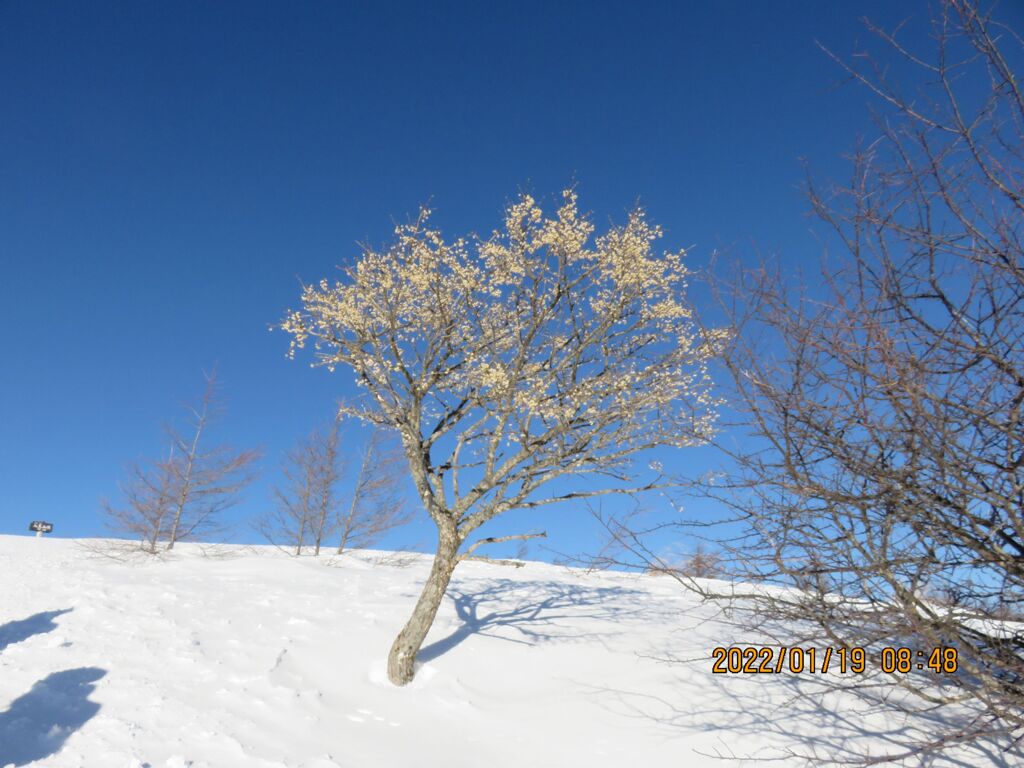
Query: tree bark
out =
(403, 651)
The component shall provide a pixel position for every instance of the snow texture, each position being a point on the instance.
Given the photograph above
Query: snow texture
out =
(255, 659)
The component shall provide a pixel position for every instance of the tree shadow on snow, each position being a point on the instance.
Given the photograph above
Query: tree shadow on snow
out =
(535, 612)
(15, 631)
(37, 724)
(808, 720)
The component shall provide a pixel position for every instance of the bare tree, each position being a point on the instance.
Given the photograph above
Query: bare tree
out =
(207, 480)
(305, 505)
(311, 508)
(327, 471)
(882, 473)
(149, 501)
(376, 505)
(510, 365)
(182, 497)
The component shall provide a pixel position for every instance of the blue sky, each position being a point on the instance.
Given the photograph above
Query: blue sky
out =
(171, 171)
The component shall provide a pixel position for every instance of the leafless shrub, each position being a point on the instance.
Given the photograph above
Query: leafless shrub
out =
(702, 563)
(397, 559)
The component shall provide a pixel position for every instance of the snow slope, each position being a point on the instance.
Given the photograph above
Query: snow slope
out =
(258, 660)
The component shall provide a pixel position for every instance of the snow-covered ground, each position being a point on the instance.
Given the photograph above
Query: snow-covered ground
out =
(258, 660)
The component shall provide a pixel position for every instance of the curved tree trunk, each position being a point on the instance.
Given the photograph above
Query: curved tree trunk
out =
(403, 651)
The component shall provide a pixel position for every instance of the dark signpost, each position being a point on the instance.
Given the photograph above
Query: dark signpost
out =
(40, 527)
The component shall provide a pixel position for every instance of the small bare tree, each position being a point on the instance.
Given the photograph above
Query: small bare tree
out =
(183, 497)
(207, 480)
(307, 506)
(311, 508)
(290, 521)
(510, 365)
(376, 505)
(149, 502)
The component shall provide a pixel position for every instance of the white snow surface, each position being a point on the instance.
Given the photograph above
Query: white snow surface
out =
(256, 659)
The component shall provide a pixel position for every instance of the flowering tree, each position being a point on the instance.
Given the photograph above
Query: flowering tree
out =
(508, 364)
